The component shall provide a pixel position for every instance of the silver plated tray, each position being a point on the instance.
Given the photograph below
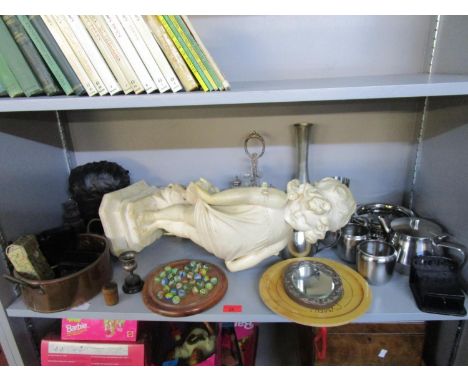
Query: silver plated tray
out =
(382, 208)
(313, 284)
(367, 214)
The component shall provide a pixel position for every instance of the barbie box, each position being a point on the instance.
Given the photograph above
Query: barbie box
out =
(99, 330)
(70, 353)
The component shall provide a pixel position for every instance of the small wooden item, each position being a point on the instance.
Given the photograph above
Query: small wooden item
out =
(184, 287)
(110, 293)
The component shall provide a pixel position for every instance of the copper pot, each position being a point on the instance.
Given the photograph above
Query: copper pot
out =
(47, 296)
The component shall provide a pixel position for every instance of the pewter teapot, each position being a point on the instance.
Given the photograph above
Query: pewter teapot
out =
(413, 236)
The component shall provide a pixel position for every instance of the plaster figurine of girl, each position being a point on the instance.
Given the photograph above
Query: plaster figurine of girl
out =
(242, 226)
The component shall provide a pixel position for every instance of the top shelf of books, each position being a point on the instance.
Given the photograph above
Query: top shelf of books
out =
(70, 62)
(90, 56)
(311, 90)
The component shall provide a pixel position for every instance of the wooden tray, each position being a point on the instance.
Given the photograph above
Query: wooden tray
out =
(192, 303)
(355, 301)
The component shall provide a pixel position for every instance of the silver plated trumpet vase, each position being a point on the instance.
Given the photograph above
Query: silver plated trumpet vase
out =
(297, 245)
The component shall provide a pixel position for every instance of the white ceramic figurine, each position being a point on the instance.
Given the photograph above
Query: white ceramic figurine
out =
(242, 226)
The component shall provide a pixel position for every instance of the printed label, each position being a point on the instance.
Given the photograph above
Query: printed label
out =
(232, 308)
(87, 349)
(383, 353)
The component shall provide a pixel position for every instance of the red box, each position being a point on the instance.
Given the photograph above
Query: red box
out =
(55, 352)
(99, 330)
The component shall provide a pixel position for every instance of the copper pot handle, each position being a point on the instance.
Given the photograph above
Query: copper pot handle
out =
(24, 284)
(90, 223)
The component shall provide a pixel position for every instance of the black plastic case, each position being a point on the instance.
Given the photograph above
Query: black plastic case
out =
(435, 286)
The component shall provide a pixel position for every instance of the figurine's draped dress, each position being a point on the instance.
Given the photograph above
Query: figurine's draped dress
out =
(247, 228)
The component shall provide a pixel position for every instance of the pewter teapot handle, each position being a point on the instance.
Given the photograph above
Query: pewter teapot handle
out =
(458, 251)
(332, 244)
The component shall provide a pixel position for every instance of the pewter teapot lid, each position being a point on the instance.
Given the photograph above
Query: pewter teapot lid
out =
(416, 227)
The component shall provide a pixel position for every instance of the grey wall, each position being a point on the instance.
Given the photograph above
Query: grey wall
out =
(442, 180)
(256, 48)
(451, 54)
(371, 142)
(33, 174)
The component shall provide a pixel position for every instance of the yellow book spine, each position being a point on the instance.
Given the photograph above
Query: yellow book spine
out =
(210, 59)
(172, 54)
(183, 53)
(194, 53)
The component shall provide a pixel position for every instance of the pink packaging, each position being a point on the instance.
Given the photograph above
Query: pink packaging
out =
(244, 329)
(210, 361)
(247, 336)
(55, 352)
(99, 330)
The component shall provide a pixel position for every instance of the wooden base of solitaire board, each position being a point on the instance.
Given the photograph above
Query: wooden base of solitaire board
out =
(191, 304)
(355, 301)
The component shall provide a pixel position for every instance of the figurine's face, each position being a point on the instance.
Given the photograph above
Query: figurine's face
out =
(307, 210)
(342, 200)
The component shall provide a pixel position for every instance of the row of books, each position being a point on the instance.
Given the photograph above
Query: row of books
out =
(103, 55)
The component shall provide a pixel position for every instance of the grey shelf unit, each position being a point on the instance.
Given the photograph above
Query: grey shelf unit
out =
(261, 92)
(388, 96)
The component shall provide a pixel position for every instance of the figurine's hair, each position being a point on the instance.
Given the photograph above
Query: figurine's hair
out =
(342, 200)
(307, 210)
(319, 207)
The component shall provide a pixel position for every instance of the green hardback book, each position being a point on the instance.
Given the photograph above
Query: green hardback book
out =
(199, 52)
(31, 55)
(46, 55)
(17, 63)
(57, 54)
(8, 79)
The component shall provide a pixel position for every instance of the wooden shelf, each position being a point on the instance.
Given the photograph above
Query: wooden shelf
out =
(392, 302)
(311, 90)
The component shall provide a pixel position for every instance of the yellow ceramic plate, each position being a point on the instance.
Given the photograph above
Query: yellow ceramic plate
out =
(355, 301)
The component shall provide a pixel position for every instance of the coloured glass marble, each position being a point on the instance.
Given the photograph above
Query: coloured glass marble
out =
(178, 282)
(192, 287)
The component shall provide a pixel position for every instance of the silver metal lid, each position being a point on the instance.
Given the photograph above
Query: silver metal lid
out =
(313, 284)
(417, 227)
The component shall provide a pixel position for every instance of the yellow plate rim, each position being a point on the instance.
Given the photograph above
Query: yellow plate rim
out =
(279, 302)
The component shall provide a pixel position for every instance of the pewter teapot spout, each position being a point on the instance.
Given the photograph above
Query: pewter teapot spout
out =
(384, 225)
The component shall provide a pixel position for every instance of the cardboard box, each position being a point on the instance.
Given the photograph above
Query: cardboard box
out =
(374, 345)
(99, 330)
(55, 352)
(247, 338)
